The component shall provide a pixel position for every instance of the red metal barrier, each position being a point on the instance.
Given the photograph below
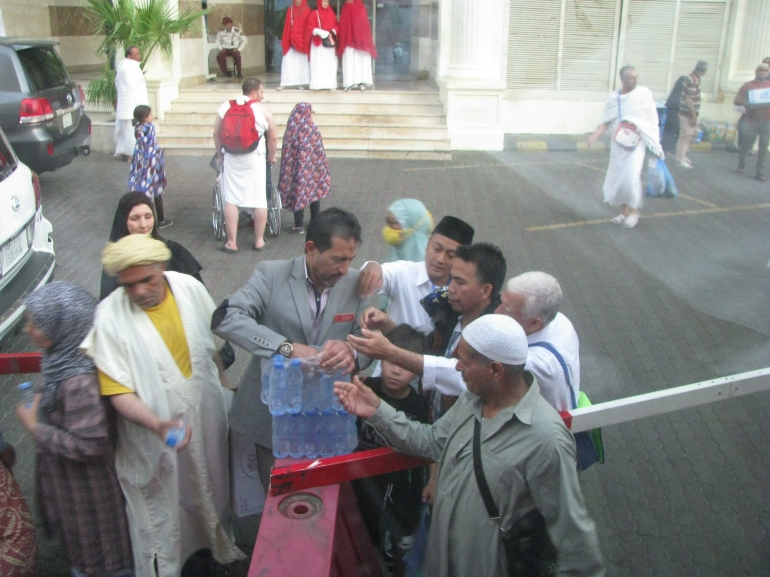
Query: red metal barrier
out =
(15, 363)
(314, 533)
(293, 475)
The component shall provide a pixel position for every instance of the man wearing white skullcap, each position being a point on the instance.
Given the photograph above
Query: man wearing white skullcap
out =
(157, 362)
(527, 457)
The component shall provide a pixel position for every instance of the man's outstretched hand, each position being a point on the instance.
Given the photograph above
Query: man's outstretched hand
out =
(357, 398)
(373, 345)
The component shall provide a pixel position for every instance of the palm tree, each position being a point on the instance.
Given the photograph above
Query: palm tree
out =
(148, 25)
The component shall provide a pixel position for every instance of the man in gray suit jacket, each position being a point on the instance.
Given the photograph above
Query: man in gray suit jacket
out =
(289, 306)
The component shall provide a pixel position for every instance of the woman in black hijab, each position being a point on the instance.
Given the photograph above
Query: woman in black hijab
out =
(136, 216)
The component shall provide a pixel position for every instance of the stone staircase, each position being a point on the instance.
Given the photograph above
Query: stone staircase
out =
(372, 124)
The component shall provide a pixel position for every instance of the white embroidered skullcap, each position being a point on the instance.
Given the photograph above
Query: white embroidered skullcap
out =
(499, 338)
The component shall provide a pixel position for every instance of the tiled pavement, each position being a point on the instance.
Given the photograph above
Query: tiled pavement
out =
(682, 298)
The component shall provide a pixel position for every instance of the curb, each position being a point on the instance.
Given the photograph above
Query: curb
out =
(573, 146)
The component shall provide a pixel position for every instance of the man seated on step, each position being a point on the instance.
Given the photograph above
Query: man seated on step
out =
(231, 41)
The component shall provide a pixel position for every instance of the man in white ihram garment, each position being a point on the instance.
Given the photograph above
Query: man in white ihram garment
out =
(631, 115)
(295, 66)
(132, 91)
(158, 363)
(244, 176)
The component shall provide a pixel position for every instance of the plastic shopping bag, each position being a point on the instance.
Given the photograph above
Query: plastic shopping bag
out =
(656, 178)
(671, 191)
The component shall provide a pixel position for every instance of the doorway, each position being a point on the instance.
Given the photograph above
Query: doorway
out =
(390, 21)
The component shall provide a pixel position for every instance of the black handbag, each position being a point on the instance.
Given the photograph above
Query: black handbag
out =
(528, 547)
(331, 40)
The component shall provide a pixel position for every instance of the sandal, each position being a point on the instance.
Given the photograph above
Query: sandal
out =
(620, 219)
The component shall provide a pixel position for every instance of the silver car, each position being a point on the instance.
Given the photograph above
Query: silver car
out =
(27, 257)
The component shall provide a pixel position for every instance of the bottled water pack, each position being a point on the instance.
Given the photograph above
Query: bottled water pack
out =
(308, 420)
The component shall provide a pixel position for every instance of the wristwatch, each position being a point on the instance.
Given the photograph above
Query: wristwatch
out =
(286, 349)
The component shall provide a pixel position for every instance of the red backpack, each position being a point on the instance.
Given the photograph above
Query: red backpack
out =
(239, 134)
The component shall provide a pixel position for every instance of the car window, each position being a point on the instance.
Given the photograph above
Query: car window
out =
(43, 67)
(7, 160)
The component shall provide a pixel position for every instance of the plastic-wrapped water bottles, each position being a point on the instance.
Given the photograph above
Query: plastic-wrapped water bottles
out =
(336, 406)
(277, 396)
(26, 394)
(296, 436)
(341, 438)
(267, 370)
(311, 433)
(281, 434)
(294, 387)
(310, 389)
(326, 438)
(325, 392)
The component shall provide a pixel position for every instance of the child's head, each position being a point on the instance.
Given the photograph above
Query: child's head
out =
(395, 380)
(142, 114)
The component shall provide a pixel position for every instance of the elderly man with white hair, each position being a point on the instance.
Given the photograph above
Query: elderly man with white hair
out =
(503, 455)
(533, 299)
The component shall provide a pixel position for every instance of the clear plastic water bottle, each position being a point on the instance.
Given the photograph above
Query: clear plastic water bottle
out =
(26, 394)
(341, 434)
(338, 376)
(176, 435)
(267, 370)
(310, 390)
(326, 437)
(296, 436)
(325, 392)
(281, 442)
(277, 396)
(294, 387)
(312, 419)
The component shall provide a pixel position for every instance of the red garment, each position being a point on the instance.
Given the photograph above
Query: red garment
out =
(328, 21)
(354, 29)
(294, 28)
(17, 530)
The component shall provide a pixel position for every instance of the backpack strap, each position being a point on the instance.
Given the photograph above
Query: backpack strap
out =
(562, 362)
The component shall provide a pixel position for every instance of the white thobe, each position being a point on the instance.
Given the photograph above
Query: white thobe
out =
(177, 502)
(132, 91)
(244, 176)
(295, 69)
(561, 335)
(356, 67)
(323, 68)
(406, 283)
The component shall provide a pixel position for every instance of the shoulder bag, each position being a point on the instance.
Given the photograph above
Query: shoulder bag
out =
(528, 547)
(588, 444)
(331, 40)
(626, 135)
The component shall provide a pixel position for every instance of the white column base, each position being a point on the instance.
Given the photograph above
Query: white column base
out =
(473, 115)
(161, 93)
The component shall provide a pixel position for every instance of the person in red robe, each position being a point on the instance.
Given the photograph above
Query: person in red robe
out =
(295, 67)
(356, 46)
(322, 25)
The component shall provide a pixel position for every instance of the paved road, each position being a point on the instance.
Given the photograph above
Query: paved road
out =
(682, 298)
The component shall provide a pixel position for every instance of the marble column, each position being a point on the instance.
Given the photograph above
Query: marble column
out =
(749, 40)
(471, 71)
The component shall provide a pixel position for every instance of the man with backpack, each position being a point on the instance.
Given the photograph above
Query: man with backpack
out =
(244, 134)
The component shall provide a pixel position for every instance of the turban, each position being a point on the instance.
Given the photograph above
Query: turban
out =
(499, 338)
(133, 250)
(456, 229)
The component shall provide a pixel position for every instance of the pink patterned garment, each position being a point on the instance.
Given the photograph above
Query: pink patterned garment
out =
(304, 171)
(17, 530)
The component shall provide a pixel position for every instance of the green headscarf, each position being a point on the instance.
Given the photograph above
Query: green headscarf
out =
(416, 224)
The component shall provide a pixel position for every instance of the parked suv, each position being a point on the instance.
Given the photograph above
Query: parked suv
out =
(42, 111)
(26, 250)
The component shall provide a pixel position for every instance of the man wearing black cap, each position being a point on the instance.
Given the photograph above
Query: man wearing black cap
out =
(407, 283)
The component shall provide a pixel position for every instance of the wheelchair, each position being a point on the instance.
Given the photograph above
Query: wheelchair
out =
(274, 206)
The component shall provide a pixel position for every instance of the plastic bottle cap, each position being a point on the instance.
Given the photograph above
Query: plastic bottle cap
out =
(278, 363)
(296, 362)
(25, 386)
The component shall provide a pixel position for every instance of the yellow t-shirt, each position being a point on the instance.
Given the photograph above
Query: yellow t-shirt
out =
(166, 319)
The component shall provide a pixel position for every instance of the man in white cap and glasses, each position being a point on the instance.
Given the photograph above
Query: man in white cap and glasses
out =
(527, 459)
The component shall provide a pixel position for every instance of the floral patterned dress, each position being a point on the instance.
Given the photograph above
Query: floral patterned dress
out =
(304, 170)
(148, 166)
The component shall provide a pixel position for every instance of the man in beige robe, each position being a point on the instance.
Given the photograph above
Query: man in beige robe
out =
(156, 358)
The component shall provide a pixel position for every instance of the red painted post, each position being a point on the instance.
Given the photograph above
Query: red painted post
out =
(16, 363)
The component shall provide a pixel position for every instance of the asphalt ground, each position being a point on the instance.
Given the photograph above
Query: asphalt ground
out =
(681, 298)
